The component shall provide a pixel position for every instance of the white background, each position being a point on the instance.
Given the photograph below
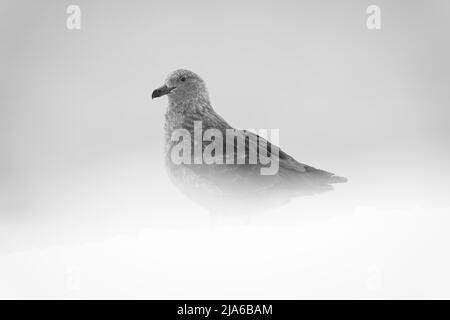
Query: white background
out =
(87, 211)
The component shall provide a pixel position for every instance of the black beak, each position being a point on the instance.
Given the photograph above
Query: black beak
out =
(162, 91)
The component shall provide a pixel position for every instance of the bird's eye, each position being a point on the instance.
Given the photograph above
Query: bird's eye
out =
(183, 79)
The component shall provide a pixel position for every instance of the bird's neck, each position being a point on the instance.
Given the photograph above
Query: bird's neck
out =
(182, 114)
(188, 103)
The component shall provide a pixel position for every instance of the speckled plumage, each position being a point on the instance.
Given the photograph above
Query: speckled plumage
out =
(188, 101)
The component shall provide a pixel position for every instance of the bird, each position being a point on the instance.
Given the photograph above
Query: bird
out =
(222, 186)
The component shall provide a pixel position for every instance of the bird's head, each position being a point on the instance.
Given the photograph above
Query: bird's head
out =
(181, 86)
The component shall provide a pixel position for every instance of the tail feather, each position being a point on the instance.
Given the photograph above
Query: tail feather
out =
(337, 179)
(326, 176)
